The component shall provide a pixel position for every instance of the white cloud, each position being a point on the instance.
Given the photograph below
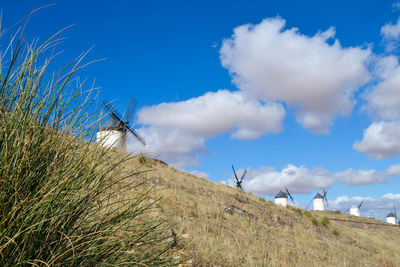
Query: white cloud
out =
(391, 34)
(374, 207)
(178, 130)
(394, 170)
(391, 31)
(170, 145)
(383, 101)
(267, 180)
(298, 179)
(360, 177)
(308, 73)
(216, 113)
(380, 140)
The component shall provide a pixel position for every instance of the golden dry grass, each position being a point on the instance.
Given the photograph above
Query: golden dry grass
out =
(218, 225)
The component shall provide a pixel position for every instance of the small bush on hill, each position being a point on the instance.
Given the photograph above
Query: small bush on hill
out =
(325, 221)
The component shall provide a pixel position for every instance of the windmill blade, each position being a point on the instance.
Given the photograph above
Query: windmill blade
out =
(291, 198)
(112, 111)
(138, 137)
(308, 204)
(234, 172)
(359, 206)
(346, 211)
(130, 109)
(326, 200)
(243, 175)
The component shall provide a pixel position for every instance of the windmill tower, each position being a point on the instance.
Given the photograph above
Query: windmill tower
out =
(239, 182)
(113, 132)
(391, 218)
(355, 210)
(281, 199)
(319, 199)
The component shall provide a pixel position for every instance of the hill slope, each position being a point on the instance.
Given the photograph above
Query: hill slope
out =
(219, 225)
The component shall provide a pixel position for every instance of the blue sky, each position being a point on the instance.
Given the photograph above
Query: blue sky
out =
(304, 109)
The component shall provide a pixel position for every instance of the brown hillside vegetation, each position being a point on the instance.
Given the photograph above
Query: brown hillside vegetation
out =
(218, 225)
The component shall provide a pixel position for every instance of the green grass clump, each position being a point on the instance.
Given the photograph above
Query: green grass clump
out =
(315, 221)
(325, 221)
(60, 194)
(297, 210)
(308, 214)
(335, 232)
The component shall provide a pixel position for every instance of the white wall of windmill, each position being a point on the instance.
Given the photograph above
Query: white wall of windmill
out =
(283, 201)
(355, 211)
(319, 204)
(112, 139)
(391, 220)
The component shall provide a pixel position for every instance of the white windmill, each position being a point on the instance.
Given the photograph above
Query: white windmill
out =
(319, 201)
(392, 216)
(355, 210)
(113, 132)
(282, 198)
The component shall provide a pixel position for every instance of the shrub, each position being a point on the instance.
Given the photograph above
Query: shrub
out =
(308, 214)
(335, 232)
(325, 221)
(315, 221)
(297, 210)
(58, 190)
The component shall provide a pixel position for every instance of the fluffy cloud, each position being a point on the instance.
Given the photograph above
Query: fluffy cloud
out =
(216, 113)
(309, 73)
(380, 140)
(266, 180)
(394, 170)
(176, 132)
(373, 207)
(360, 177)
(383, 101)
(391, 31)
(391, 34)
(173, 146)
(298, 179)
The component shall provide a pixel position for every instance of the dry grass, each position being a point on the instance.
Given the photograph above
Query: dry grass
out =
(218, 225)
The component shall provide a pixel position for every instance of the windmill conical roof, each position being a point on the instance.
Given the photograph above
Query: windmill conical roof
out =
(391, 214)
(113, 123)
(281, 195)
(318, 195)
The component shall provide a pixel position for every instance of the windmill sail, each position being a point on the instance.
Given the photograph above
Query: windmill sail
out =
(239, 182)
(290, 195)
(136, 134)
(116, 122)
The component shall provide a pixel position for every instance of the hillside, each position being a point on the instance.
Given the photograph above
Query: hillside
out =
(218, 225)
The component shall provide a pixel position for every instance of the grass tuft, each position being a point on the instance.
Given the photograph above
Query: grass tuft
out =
(61, 200)
(315, 221)
(325, 221)
(335, 232)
